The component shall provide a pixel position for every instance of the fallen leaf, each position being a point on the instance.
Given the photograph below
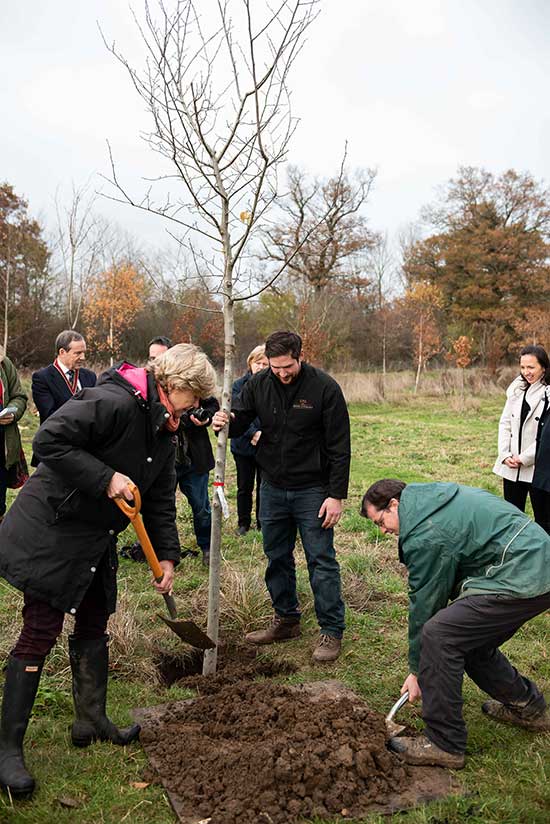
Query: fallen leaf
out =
(66, 801)
(139, 785)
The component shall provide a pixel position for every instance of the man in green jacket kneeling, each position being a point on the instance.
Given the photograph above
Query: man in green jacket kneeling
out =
(492, 563)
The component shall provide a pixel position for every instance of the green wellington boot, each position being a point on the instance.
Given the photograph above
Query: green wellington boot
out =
(90, 668)
(21, 684)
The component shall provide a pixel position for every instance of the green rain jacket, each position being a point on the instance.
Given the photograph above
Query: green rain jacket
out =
(13, 396)
(458, 541)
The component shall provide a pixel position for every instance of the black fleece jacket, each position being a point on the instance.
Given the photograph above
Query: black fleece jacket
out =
(305, 429)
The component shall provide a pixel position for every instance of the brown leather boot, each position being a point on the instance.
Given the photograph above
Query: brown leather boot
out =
(517, 716)
(327, 649)
(282, 629)
(422, 752)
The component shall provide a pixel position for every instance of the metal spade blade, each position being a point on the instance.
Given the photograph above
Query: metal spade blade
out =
(189, 632)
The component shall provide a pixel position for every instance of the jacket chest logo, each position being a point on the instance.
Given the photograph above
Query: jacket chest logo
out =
(302, 403)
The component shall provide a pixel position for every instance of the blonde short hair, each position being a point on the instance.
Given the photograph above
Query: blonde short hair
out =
(257, 354)
(184, 367)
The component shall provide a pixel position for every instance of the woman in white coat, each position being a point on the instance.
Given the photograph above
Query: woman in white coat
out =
(517, 434)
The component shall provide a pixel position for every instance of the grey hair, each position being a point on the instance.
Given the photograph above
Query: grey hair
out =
(65, 338)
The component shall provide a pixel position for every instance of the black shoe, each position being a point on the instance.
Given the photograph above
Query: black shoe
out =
(134, 553)
(242, 530)
(22, 678)
(90, 667)
(205, 558)
(189, 553)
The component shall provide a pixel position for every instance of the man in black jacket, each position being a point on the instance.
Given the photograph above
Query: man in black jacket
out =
(194, 459)
(304, 454)
(58, 541)
(53, 385)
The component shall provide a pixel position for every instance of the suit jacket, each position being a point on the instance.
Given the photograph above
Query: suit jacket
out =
(50, 391)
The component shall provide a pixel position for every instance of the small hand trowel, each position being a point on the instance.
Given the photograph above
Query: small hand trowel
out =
(188, 631)
(392, 727)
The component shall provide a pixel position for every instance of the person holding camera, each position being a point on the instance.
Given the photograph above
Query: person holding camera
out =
(194, 458)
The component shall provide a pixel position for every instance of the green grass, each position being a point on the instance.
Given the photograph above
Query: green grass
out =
(507, 771)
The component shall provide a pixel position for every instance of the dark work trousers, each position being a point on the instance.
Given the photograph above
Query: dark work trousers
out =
(194, 486)
(42, 623)
(515, 492)
(464, 638)
(248, 471)
(283, 513)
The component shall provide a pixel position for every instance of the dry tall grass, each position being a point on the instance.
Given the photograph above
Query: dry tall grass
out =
(398, 387)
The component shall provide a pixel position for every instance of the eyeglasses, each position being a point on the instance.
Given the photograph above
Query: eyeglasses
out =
(379, 521)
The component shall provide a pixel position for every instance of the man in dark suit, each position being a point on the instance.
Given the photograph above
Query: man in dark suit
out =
(56, 383)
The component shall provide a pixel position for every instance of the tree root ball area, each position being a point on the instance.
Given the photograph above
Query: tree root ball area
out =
(264, 752)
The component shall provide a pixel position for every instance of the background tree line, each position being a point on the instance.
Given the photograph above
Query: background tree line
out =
(468, 284)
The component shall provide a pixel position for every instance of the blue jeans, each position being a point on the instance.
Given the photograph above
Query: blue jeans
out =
(195, 489)
(283, 512)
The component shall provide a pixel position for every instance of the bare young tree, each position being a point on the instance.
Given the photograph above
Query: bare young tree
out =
(82, 240)
(381, 269)
(215, 85)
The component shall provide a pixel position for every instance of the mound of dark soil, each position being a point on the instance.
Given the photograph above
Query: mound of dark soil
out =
(262, 752)
(236, 662)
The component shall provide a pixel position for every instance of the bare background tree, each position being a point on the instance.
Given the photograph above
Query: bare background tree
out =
(83, 238)
(215, 84)
(323, 220)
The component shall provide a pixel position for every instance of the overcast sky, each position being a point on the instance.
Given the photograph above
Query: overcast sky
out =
(417, 87)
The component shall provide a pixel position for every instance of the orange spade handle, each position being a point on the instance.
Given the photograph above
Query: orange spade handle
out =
(132, 511)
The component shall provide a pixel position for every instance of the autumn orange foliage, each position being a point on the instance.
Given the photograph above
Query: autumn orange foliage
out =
(115, 298)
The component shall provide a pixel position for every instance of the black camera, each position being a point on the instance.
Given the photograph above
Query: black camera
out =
(199, 413)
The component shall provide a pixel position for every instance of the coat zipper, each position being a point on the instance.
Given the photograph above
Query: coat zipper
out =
(504, 551)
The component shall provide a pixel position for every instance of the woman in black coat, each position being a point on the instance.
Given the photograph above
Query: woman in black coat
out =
(58, 541)
(243, 449)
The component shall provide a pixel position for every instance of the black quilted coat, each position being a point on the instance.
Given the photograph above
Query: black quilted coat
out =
(62, 523)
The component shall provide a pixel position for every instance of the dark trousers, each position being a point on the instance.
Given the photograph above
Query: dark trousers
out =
(42, 623)
(3, 488)
(464, 638)
(283, 513)
(248, 472)
(195, 488)
(515, 492)
(3, 474)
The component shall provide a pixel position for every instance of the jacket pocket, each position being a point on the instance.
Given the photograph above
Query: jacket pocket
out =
(67, 506)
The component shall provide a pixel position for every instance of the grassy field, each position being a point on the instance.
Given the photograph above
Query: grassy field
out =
(507, 772)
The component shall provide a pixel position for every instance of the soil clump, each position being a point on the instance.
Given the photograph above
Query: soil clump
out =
(255, 752)
(235, 663)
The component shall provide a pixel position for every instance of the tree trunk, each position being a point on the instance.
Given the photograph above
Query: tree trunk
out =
(384, 330)
(111, 337)
(211, 656)
(419, 366)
